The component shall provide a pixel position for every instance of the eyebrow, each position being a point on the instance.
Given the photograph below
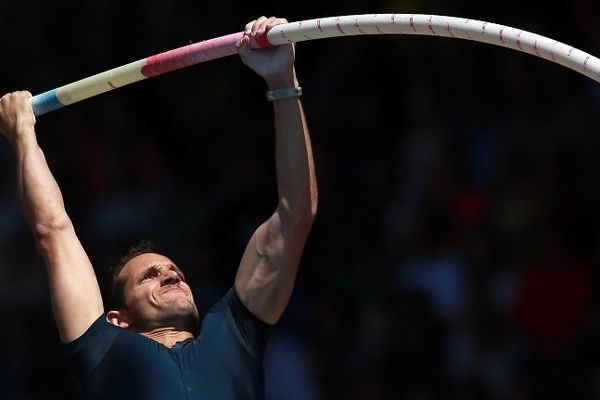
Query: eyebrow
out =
(158, 267)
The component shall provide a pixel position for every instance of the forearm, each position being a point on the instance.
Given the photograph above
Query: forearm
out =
(293, 152)
(38, 191)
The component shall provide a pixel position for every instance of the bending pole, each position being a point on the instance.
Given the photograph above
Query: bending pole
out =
(320, 28)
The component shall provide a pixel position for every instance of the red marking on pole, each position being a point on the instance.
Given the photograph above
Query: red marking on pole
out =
(519, 40)
(537, 53)
(483, 27)
(319, 25)
(262, 41)
(338, 27)
(467, 32)
(570, 51)
(412, 23)
(357, 26)
(430, 26)
(501, 35)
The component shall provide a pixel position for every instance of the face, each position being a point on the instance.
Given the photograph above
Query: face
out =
(156, 295)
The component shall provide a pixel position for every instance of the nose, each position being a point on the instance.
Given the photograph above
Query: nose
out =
(170, 277)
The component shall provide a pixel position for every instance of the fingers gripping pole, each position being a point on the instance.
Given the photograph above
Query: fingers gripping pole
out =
(320, 28)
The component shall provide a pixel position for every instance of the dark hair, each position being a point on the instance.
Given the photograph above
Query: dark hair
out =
(116, 294)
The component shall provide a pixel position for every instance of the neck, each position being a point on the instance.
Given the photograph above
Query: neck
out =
(168, 336)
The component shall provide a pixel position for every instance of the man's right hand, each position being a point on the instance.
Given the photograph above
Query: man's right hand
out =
(16, 114)
(76, 297)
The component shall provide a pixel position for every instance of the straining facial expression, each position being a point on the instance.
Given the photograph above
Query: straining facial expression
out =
(156, 295)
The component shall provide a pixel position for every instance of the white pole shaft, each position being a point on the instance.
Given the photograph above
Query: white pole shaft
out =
(320, 28)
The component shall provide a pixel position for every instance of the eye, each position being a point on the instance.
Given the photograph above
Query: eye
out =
(147, 277)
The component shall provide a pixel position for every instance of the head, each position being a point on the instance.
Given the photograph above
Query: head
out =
(148, 292)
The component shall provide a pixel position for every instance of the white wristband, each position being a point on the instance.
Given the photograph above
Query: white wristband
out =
(286, 93)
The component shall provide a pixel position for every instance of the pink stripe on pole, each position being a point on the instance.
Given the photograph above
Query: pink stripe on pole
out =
(190, 55)
(262, 41)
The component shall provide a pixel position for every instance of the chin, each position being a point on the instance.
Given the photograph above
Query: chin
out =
(184, 315)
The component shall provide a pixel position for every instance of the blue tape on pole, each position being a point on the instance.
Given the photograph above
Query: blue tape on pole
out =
(45, 102)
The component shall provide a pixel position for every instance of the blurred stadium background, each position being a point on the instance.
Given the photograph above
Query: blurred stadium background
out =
(455, 254)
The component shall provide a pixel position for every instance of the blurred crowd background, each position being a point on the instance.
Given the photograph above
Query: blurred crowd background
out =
(456, 249)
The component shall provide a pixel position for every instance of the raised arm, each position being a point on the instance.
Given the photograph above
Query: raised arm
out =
(76, 299)
(267, 272)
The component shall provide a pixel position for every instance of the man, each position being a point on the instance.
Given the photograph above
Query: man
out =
(146, 348)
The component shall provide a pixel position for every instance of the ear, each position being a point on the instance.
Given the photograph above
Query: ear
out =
(118, 318)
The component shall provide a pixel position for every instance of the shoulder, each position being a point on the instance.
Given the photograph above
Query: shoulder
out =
(100, 327)
(88, 350)
(230, 314)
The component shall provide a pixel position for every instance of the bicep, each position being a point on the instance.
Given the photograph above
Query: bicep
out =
(75, 294)
(267, 272)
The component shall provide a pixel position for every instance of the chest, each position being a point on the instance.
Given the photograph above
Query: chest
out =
(145, 369)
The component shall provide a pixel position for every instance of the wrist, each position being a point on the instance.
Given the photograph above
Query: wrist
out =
(24, 124)
(286, 93)
(282, 81)
(22, 136)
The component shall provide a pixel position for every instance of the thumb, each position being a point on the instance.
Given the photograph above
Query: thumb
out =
(243, 42)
